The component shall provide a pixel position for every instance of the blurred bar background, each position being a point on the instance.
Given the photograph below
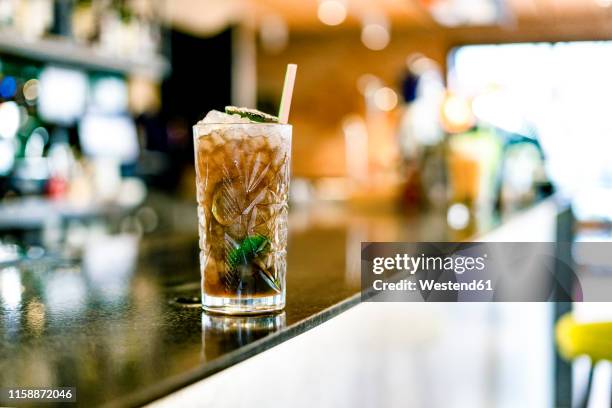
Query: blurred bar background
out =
(456, 112)
(396, 101)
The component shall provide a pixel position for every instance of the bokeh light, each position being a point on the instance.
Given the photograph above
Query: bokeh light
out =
(7, 156)
(368, 84)
(10, 287)
(274, 33)
(9, 119)
(331, 12)
(385, 99)
(8, 87)
(30, 90)
(375, 36)
(456, 114)
(35, 145)
(458, 216)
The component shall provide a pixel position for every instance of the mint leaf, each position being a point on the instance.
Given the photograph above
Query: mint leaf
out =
(250, 247)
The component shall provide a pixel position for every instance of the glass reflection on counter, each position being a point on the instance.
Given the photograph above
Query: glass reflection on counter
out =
(10, 287)
(10, 301)
(226, 333)
(66, 292)
(109, 262)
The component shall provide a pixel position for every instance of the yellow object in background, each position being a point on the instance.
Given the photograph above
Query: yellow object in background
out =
(591, 339)
(456, 115)
(473, 160)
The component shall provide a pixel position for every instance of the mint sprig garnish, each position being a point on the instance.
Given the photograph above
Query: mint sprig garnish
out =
(251, 114)
(248, 249)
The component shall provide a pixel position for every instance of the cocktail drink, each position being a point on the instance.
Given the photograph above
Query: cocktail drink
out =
(242, 162)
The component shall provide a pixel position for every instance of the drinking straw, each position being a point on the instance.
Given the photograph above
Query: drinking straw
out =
(285, 104)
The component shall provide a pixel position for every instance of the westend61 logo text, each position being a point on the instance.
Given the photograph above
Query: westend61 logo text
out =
(413, 264)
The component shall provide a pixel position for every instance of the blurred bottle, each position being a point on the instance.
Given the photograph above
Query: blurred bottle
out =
(420, 133)
(524, 176)
(85, 20)
(32, 18)
(61, 162)
(31, 173)
(7, 13)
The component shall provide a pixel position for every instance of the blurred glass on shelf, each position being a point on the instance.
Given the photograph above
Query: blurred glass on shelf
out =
(125, 32)
(84, 21)
(110, 137)
(33, 18)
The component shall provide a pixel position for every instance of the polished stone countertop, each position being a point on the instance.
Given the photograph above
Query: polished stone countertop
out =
(116, 322)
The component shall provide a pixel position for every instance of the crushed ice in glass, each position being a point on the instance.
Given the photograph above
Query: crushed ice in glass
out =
(214, 116)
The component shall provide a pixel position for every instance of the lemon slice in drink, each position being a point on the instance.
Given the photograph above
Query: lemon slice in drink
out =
(228, 203)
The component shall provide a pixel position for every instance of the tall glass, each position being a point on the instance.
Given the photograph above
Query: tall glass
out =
(242, 180)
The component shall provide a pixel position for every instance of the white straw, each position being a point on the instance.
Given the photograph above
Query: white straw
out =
(285, 105)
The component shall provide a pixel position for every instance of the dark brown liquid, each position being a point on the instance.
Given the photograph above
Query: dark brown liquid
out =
(242, 181)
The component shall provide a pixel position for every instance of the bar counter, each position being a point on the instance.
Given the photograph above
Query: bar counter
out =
(121, 322)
